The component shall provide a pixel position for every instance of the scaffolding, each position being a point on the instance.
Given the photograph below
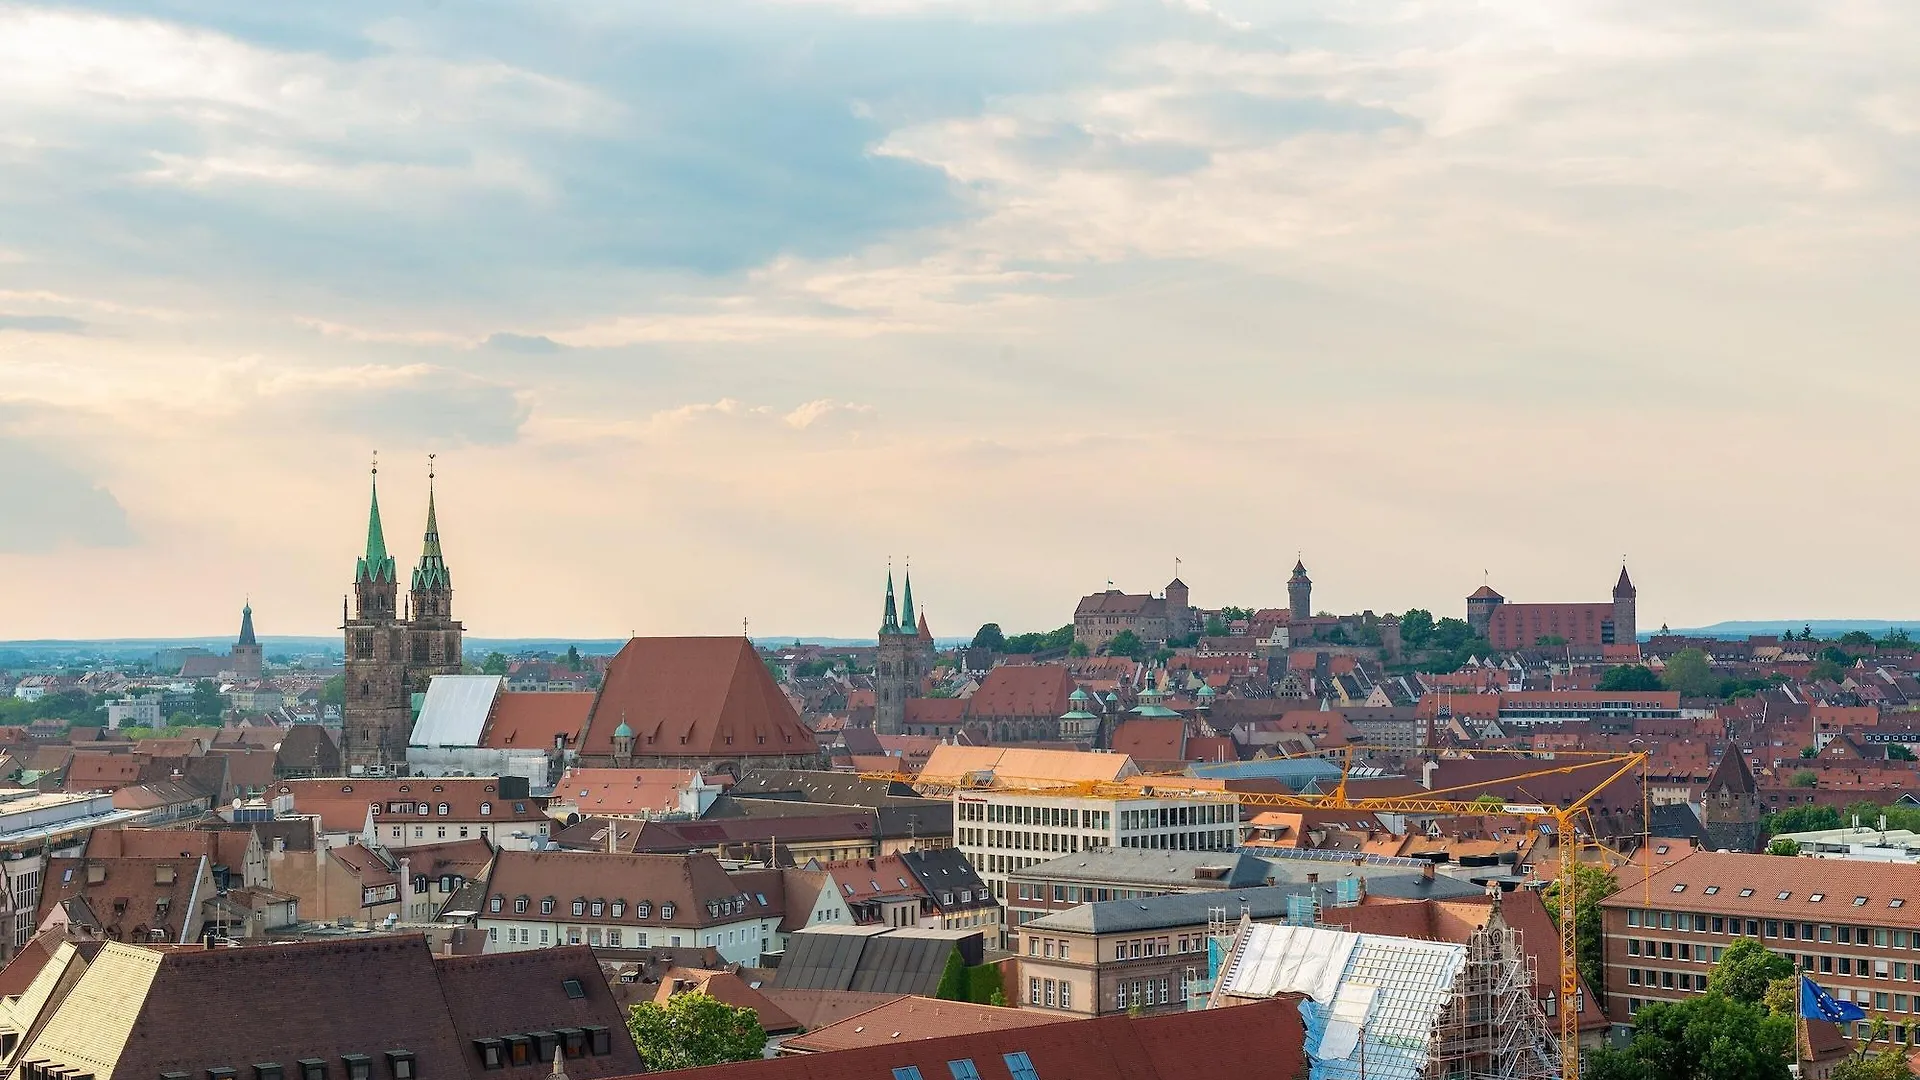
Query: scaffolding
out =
(1494, 1026)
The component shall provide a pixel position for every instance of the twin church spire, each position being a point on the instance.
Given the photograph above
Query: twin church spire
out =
(377, 565)
(901, 619)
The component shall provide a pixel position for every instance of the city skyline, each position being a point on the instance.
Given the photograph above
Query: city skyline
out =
(709, 310)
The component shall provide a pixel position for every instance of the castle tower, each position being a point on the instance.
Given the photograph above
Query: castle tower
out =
(1730, 805)
(246, 651)
(1179, 607)
(1480, 608)
(433, 637)
(1625, 632)
(1300, 593)
(904, 655)
(377, 718)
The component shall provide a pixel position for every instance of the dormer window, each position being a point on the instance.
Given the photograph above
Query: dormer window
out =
(269, 1070)
(358, 1066)
(642, 910)
(495, 903)
(400, 1063)
(486, 809)
(666, 910)
(546, 906)
(579, 908)
(443, 809)
(619, 908)
(519, 905)
(312, 1068)
(599, 906)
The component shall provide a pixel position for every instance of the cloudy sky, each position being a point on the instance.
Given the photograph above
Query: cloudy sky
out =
(710, 308)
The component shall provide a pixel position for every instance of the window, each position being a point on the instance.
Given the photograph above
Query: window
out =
(641, 910)
(1711, 889)
(1066, 994)
(312, 1069)
(1784, 893)
(1816, 898)
(269, 1070)
(546, 906)
(962, 1069)
(520, 905)
(494, 904)
(579, 908)
(359, 1066)
(1896, 902)
(1859, 901)
(666, 910)
(907, 1072)
(1021, 1066)
(1682, 887)
(486, 809)
(598, 907)
(1744, 893)
(1033, 991)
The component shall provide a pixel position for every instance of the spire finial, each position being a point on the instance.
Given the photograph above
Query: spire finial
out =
(430, 458)
(376, 463)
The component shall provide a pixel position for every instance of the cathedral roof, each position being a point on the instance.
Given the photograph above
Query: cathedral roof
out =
(1623, 587)
(376, 564)
(246, 626)
(695, 697)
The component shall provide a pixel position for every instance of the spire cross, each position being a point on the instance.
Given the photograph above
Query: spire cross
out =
(376, 463)
(430, 458)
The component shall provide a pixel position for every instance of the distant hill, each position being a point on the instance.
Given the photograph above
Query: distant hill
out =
(54, 649)
(1821, 627)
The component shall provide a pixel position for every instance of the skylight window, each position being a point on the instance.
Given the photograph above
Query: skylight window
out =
(1784, 894)
(1711, 889)
(1021, 1066)
(1816, 898)
(1744, 893)
(1859, 901)
(1682, 887)
(962, 1069)
(1896, 902)
(907, 1072)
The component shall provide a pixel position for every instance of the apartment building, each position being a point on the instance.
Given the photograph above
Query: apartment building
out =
(1002, 833)
(1854, 927)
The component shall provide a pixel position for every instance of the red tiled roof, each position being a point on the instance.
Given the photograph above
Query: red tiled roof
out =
(695, 696)
(522, 720)
(1266, 1038)
(1040, 691)
(1151, 740)
(911, 1018)
(730, 988)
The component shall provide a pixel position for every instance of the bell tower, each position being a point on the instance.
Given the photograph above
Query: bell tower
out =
(377, 715)
(898, 663)
(433, 636)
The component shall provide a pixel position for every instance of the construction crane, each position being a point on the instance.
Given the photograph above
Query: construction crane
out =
(1438, 801)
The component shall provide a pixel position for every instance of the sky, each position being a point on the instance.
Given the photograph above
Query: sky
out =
(709, 310)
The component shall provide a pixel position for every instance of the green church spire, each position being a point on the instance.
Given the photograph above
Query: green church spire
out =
(906, 607)
(376, 564)
(432, 571)
(890, 619)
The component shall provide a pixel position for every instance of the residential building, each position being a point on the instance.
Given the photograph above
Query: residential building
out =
(935, 889)
(402, 813)
(378, 1006)
(632, 793)
(37, 826)
(913, 1018)
(1003, 832)
(536, 899)
(1128, 874)
(141, 711)
(1853, 927)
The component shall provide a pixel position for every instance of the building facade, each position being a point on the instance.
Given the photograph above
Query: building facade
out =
(391, 655)
(1508, 626)
(1002, 833)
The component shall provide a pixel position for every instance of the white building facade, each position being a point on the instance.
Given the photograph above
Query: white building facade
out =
(1001, 832)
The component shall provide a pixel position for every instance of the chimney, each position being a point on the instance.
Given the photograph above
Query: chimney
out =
(1313, 879)
(1426, 872)
(406, 888)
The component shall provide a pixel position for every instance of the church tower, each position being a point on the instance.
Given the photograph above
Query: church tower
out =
(903, 656)
(246, 657)
(1730, 805)
(1624, 596)
(377, 718)
(433, 637)
(1300, 593)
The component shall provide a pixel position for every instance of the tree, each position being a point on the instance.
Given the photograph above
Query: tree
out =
(1784, 846)
(1689, 672)
(1125, 643)
(1856, 639)
(1825, 670)
(1803, 819)
(1078, 649)
(1746, 969)
(1896, 752)
(573, 657)
(1809, 751)
(1703, 1038)
(1860, 1065)
(1216, 627)
(1897, 639)
(1805, 778)
(1415, 627)
(989, 636)
(207, 703)
(1837, 655)
(692, 1030)
(1236, 614)
(1630, 677)
(1591, 884)
(496, 664)
(953, 980)
(1549, 641)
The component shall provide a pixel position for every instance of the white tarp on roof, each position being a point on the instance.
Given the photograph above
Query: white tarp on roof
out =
(1373, 1000)
(455, 710)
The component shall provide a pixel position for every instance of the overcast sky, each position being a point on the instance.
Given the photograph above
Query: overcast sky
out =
(710, 308)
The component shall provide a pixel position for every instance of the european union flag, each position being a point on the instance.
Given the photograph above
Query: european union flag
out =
(1817, 1004)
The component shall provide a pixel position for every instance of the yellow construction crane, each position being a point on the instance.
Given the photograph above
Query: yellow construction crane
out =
(1447, 801)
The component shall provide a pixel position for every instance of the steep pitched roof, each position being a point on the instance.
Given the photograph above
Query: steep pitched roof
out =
(1731, 774)
(911, 1018)
(1040, 691)
(536, 720)
(695, 696)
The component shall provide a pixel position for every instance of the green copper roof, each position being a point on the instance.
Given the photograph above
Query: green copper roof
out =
(623, 731)
(1153, 712)
(376, 564)
(906, 605)
(432, 571)
(890, 618)
(246, 625)
(1077, 695)
(1207, 691)
(1078, 714)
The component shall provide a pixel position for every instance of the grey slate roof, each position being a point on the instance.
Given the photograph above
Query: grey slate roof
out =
(1150, 867)
(871, 959)
(1267, 902)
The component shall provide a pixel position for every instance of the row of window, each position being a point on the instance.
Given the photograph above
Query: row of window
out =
(1053, 817)
(1146, 992)
(1042, 992)
(618, 908)
(1083, 894)
(1039, 946)
(1205, 840)
(1021, 840)
(1878, 937)
(509, 1051)
(1018, 1064)
(400, 1066)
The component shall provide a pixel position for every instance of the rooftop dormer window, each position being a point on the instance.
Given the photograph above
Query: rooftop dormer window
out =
(358, 1066)
(546, 906)
(666, 910)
